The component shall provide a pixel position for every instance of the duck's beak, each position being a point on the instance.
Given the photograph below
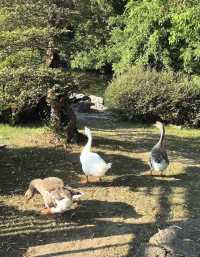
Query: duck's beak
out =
(46, 211)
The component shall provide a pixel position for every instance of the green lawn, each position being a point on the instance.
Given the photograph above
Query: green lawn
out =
(116, 215)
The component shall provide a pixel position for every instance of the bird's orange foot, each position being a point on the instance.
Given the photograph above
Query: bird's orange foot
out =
(99, 179)
(84, 181)
(46, 211)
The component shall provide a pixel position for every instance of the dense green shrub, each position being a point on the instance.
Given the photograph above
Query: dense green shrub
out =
(27, 85)
(150, 95)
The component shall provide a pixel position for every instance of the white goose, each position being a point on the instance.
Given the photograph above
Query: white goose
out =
(92, 163)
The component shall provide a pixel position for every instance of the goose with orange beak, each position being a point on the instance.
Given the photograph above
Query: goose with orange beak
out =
(92, 163)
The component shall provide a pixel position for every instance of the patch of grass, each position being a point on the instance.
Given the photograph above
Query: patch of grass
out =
(114, 216)
(20, 136)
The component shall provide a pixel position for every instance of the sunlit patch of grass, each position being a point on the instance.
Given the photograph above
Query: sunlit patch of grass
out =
(20, 136)
(182, 131)
(175, 168)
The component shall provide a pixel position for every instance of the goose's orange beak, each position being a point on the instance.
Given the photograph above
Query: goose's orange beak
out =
(46, 211)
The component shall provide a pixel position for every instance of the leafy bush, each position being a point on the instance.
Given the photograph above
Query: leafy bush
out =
(26, 85)
(150, 95)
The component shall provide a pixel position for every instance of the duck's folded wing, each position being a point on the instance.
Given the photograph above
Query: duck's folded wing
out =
(52, 183)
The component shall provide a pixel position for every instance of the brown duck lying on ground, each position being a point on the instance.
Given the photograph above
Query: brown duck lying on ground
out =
(57, 197)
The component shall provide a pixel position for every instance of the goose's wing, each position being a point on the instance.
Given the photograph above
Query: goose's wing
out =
(165, 156)
(158, 155)
(95, 158)
(61, 193)
(52, 183)
(92, 164)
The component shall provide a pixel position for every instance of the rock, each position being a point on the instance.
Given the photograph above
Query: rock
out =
(75, 98)
(174, 241)
(157, 251)
(98, 103)
(84, 106)
(90, 110)
(83, 103)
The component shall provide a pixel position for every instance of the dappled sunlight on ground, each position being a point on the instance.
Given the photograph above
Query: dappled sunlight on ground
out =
(103, 246)
(116, 215)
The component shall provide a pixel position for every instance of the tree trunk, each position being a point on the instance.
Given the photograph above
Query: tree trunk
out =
(72, 134)
(55, 113)
(52, 57)
(58, 105)
(71, 127)
(55, 116)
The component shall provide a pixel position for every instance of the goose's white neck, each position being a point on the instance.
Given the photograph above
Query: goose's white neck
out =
(88, 146)
(162, 137)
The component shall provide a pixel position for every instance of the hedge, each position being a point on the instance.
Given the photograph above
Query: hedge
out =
(149, 95)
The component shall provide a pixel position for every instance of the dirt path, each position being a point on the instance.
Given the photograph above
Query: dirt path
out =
(115, 216)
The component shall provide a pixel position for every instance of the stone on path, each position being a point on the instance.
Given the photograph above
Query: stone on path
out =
(175, 241)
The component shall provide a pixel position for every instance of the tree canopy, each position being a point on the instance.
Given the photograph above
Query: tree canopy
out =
(27, 31)
(92, 35)
(159, 34)
(78, 30)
